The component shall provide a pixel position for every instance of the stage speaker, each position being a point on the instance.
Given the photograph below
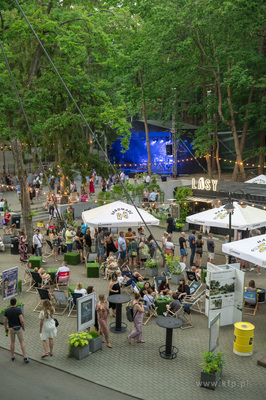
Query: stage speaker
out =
(164, 178)
(169, 149)
(131, 174)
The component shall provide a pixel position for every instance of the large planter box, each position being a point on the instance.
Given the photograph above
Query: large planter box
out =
(81, 352)
(52, 272)
(93, 270)
(96, 344)
(72, 258)
(152, 271)
(209, 381)
(35, 261)
(176, 278)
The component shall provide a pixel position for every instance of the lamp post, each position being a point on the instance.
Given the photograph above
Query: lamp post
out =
(230, 209)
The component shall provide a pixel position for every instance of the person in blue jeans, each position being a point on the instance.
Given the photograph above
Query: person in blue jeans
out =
(192, 245)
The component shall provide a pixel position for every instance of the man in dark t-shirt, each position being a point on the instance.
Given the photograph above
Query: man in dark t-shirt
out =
(14, 317)
(192, 245)
(169, 224)
(174, 306)
(183, 247)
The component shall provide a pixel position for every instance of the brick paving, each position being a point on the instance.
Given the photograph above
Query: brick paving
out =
(138, 369)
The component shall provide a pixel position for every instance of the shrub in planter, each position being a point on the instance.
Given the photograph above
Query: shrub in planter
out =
(212, 368)
(152, 267)
(95, 341)
(79, 346)
(174, 267)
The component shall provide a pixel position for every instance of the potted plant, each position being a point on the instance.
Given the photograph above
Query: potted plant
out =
(152, 267)
(212, 369)
(175, 268)
(79, 345)
(95, 341)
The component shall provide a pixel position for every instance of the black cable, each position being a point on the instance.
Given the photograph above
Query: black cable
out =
(82, 116)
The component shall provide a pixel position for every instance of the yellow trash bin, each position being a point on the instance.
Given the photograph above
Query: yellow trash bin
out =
(243, 341)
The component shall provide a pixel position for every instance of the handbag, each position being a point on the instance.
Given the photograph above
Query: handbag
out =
(56, 322)
(134, 253)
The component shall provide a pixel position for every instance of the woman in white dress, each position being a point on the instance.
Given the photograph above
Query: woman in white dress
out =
(47, 327)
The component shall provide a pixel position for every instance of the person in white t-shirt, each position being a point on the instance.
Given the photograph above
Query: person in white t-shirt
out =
(80, 289)
(37, 242)
(63, 268)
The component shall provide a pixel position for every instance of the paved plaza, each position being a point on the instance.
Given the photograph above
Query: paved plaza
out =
(137, 369)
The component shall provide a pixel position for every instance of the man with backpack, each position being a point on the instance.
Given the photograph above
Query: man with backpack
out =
(170, 224)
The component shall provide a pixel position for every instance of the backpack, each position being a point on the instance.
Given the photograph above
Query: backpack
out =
(173, 224)
(130, 314)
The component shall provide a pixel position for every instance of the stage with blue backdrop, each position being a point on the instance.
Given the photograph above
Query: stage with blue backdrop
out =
(136, 158)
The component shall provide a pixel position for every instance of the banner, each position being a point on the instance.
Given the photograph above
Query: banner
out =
(10, 283)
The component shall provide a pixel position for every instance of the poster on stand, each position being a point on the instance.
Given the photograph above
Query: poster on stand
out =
(85, 311)
(10, 283)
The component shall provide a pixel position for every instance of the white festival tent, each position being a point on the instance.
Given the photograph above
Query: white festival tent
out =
(243, 218)
(117, 214)
(252, 249)
(261, 180)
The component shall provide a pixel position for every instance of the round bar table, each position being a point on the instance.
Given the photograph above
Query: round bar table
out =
(118, 326)
(168, 351)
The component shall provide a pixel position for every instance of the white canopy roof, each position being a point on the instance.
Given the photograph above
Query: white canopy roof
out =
(117, 214)
(242, 218)
(252, 249)
(261, 179)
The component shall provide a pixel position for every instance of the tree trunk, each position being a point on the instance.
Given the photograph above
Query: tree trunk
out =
(24, 188)
(62, 176)
(204, 114)
(239, 162)
(261, 156)
(145, 124)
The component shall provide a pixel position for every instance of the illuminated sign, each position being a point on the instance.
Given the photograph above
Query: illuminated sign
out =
(205, 184)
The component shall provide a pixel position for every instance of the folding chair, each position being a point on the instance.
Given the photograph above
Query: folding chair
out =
(27, 273)
(48, 249)
(157, 282)
(191, 276)
(250, 303)
(60, 301)
(187, 323)
(75, 296)
(36, 280)
(194, 288)
(195, 302)
(62, 279)
(126, 288)
(91, 257)
(149, 311)
(134, 287)
(44, 294)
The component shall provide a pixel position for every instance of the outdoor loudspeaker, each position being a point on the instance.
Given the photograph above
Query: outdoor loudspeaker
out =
(169, 149)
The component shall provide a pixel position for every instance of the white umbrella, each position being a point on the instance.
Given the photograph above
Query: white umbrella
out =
(252, 249)
(243, 217)
(117, 214)
(261, 180)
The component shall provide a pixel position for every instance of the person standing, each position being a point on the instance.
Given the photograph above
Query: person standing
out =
(69, 239)
(47, 327)
(210, 247)
(102, 312)
(101, 243)
(138, 310)
(122, 247)
(37, 242)
(14, 317)
(199, 250)
(192, 245)
(170, 224)
(183, 247)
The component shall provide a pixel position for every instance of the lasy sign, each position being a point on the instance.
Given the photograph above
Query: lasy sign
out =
(205, 184)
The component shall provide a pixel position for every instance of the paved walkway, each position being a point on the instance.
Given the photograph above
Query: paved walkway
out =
(137, 369)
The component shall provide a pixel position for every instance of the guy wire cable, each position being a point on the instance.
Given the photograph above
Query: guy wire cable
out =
(26, 119)
(83, 117)
(193, 156)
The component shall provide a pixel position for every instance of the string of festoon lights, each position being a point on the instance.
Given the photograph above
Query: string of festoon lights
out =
(180, 160)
